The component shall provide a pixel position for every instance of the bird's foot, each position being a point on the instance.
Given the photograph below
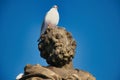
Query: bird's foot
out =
(51, 25)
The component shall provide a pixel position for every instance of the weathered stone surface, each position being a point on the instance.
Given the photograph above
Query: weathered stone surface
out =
(37, 72)
(57, 46)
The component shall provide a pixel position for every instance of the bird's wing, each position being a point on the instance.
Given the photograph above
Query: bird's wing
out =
(42, 30)
(42, 27)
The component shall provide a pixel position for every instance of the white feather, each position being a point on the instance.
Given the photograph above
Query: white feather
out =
(52, 17)
(19, 76)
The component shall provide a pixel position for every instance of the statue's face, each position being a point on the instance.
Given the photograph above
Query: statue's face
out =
(57, 46)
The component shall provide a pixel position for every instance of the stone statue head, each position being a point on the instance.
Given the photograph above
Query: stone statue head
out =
(57, 46)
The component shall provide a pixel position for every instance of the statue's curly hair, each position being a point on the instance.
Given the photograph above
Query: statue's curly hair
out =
(57, 46)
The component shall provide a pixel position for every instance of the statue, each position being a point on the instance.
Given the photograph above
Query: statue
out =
(57, 46)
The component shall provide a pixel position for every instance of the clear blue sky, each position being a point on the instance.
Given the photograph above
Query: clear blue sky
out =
(95, 25)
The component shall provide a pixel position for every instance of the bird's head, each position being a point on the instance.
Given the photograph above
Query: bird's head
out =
(55, 6)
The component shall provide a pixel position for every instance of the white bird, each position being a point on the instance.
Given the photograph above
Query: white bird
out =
(51, 18)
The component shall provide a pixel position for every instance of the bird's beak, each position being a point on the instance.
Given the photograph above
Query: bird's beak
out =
(55, 6)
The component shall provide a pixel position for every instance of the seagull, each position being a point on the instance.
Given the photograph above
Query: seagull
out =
(51, 19)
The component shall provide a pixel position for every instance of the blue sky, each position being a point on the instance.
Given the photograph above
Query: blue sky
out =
(95, 25)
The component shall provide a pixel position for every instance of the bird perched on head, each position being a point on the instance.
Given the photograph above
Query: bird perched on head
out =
(51, 18)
